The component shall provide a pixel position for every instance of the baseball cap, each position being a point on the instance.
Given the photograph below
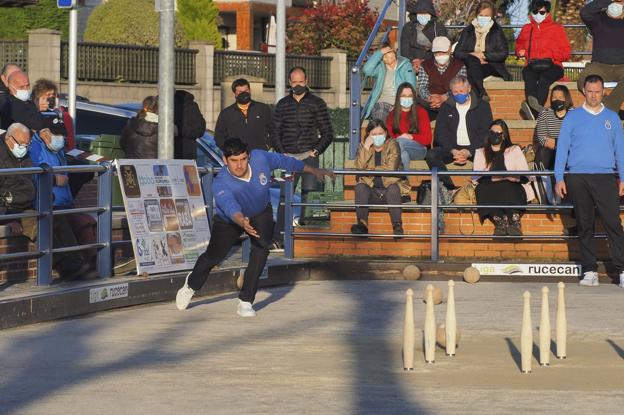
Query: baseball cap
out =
(440, 44)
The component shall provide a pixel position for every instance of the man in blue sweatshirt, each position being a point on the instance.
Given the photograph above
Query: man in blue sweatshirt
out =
(243, 205)
(591, 145)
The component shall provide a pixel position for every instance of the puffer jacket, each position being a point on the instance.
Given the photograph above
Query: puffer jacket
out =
(549, 40)
(496, 49)
(139, 139)
(410, 48)
(390, 160)
(297, 124)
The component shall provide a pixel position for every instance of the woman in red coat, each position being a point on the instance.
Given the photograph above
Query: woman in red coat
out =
(544, 45)
(409, 124)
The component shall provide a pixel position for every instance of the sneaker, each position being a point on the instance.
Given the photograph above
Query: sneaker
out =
(245, 309)
(526, 111)
(621, 280)
(183, 298)
(590, 279)
(534, 104)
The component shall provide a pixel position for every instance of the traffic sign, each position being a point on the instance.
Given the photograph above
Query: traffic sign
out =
(66, 4)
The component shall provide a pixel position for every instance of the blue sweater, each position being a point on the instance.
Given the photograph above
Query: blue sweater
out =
(251, 197)
(590, 143)
(39, 154)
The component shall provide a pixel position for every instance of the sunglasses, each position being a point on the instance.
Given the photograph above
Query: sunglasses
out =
(542, 12)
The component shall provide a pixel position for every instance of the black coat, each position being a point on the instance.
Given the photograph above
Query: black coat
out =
(190, 125)
(410, 48)
(496, 48)
(296, 125)
(139, 139)
(254, 130)
(21, 187)
(27, 113)
(478, 121)
(4, 95)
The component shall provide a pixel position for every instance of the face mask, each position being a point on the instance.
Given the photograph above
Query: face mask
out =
(19, 151)
(539, 18)
(379, 140)
(495, 138)
(442, 59)
(558, 105)
(484, 20)
(57, 142)
(406, 102)
(461, 98)
(423, 19)
(52, 103)
(22, 94)
(243, 98)
(151, 117)
(299, 89)
(615, 10)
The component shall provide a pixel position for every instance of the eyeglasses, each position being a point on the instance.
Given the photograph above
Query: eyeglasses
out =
(542, 12)
(21, 144)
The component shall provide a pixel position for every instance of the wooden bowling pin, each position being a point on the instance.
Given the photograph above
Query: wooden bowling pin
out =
(409, 337)
(451, 321)
(430, 327)
(561, 323)
(544, 330)
(526, 335)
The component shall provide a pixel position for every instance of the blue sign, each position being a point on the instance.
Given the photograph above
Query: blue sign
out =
(66, 4)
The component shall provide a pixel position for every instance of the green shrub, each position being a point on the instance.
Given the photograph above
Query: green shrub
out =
(15, 22)
(198, 19)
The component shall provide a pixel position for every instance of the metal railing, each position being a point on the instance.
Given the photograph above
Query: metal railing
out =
(126, 63)
(14, 51)
(262, 65)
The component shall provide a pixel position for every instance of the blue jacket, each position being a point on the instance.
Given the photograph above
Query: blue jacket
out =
(374, 67)
(39, 154)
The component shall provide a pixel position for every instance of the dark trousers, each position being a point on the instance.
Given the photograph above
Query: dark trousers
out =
(589, 192)
(478, 72)
(223, 236)
(367, 195)
(537, 84)
(439, 158)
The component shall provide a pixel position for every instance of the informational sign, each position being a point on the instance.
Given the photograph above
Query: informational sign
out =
(110, 292)
(547, 270)
(166, 213)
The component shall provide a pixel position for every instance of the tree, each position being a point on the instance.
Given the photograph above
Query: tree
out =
(15, 22)
(198, 19)
(345, 25)
(131, 22)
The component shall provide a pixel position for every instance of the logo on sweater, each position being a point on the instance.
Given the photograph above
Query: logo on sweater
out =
(607, 124)
(263, 179)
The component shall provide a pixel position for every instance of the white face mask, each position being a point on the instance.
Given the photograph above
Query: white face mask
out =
(442, 59)
(615, 10)
(57, 142)
(539, 18)
(484, 20)
(22, 94)
(151, 117)
(19, 151)
(423, 19)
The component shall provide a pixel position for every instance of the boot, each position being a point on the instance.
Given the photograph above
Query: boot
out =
(359, 228)
(397, 228)
(500, 225)
(514, 225)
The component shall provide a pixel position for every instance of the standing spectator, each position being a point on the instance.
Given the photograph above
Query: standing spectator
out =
(6, 71)
(435, 74)
(189, 124)
(377, 152)
(301, 129)
(591, 146)
(463, 125)
(483, 48)
(549, 124)
(500, 154)
(139, 138)
(605, 20)
(418, 34)
(389, 72)
(544, 45)
(409, 125)
(246, 119)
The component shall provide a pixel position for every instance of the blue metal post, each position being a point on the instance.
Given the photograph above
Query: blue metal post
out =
(105, 222)
(44, 225)
(206, 182)
(288, 220)
(354, 111)
(435, 247)
(402, 6)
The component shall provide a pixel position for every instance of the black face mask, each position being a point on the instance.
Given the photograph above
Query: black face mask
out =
(495, 138)
(243, 98)
(299, 89)
(558, 105)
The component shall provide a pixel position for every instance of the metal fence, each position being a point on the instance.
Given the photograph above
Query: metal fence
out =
(14, 51)
(126, 63)
(262, 65)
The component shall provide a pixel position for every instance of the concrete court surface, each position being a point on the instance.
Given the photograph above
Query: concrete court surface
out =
(323, 347)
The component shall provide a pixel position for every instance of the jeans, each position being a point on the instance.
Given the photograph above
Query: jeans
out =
(411, 150)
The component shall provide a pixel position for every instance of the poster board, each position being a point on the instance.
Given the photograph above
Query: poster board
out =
(166, 213)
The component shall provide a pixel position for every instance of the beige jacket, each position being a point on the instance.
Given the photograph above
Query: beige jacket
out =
(390, 160)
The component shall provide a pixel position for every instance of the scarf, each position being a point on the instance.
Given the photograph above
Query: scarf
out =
(481, 34)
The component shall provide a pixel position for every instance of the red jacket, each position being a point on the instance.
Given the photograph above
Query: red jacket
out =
(549, 40)
(424, 125)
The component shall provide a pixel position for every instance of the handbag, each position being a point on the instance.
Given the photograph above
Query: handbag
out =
(466, 195)
(538, 65)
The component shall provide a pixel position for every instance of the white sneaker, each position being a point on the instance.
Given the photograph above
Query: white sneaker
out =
(590, 279)
(183, 298)
(621, 280)
(245, 309)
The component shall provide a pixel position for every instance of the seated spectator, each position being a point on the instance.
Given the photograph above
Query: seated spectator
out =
(483, 48)
(389, 71)
(377, 152)
(189, 125)
(6, 71)
(418, 34)
(18, 195)
(499, 154)
(549, 124)
(544, 45)
(139, 138)
(605, 21)
(435, 74)
(462, 126)
(410, 125)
